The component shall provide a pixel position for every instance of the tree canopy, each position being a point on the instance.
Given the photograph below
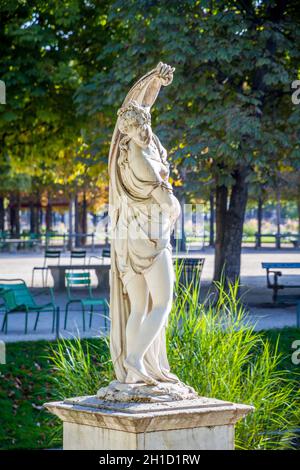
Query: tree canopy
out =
(227, 120)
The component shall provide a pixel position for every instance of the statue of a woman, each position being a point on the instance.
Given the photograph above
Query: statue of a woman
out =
(143, 211)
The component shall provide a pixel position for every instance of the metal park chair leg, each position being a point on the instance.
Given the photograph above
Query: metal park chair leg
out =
(5, 321)
(26, 321)
(83, 317)
(57, 321)
(106, 313)
(43, 278)
(46, 283)
(66, 314)
(53, 319)
(91, 315)
(36, 320)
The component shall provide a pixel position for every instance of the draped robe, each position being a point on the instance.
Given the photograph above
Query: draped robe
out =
(130, 188)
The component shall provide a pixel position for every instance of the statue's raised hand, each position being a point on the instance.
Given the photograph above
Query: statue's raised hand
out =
(165, 73)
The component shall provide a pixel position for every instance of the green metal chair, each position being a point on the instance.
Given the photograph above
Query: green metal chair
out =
(76, 255)
(48, 255)
(82, 280)
(17, 298)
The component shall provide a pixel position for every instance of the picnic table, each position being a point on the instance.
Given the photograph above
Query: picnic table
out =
(59, 273)
(102, 270)
(275, 270)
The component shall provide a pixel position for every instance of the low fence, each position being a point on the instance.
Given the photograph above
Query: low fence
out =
(35, 242)
(66, 241)
(277, 240)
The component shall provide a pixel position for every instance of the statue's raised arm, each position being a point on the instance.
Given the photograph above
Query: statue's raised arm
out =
(146, 89)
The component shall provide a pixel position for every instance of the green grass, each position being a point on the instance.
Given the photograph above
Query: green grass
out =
(285, 336)
(24, 387)
(27, 381)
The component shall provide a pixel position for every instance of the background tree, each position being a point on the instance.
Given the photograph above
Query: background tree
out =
(228, 115)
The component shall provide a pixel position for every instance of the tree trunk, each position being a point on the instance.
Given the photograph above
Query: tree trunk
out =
(35, 215)
(71, 212)
(2, 214)
(49, 217)
(18, 209)
(32, 217)
(182, 243)
(259, 220)
(230, 227)
(14, 216)
(212, 219)
(84, 218)
(221, 210)
(12, 223)
(77, 222)
(39, 218)
(278, 217)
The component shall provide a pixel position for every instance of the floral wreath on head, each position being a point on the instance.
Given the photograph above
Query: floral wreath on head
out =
(132, 114)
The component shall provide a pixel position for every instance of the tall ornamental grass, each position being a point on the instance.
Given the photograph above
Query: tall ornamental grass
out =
(212, 347)
(81, 366)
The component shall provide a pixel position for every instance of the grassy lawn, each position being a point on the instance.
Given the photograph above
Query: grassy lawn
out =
(26, 382)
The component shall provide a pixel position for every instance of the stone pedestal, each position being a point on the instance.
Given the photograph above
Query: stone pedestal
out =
(199, 424)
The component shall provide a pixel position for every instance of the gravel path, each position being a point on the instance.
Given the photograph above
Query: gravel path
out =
(257, 297)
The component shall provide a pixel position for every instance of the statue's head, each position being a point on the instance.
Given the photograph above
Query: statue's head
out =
(135, 121)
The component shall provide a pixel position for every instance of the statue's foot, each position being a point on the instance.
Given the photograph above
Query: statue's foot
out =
(136, 371)
(169, 379)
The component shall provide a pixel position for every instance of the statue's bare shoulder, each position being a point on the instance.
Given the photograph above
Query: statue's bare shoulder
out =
(143, 163)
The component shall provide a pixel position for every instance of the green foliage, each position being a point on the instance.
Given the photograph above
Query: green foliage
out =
(230, 101)
(42, 66)
(81, 368)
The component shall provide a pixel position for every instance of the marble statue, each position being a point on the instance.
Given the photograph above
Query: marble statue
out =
(146, 407)
(143, 211)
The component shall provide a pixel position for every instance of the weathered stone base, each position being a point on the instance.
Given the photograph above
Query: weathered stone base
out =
(77, 436)
(198, 424)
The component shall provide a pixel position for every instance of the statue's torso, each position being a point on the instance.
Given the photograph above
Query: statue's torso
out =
(143, 231)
